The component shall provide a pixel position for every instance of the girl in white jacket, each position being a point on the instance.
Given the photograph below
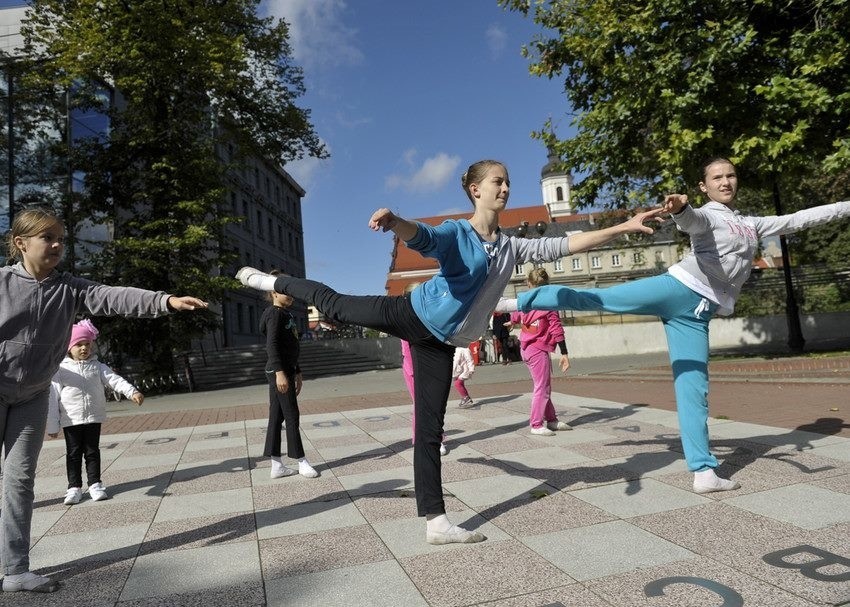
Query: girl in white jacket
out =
(462, 369)
(78, 404)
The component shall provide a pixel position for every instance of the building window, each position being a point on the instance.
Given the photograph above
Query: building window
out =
(257, 178)
(519, 270)
(559, 265)
(659, 256)
(637, 257)
(280, 236)
(291, 243)
(260, 225)
(615, 260)
(595, 262)
(248, 261)
(246, 215)
(559, 193)
(576, 263)
(240, 321)
(234, 205)
(252, 319)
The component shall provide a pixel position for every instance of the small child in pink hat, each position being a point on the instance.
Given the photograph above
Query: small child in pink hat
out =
(78, 405)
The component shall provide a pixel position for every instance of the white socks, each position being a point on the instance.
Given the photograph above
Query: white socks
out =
(251, 277)
(506, 305)
(439, 530)
(437, 522)
(707, 481)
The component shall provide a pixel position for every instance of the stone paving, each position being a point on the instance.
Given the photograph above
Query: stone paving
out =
(599, 516)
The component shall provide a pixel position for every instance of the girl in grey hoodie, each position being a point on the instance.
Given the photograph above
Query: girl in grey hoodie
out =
(38, 305)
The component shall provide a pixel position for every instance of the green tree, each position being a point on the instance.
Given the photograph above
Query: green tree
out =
(190, 78)
(656, 86)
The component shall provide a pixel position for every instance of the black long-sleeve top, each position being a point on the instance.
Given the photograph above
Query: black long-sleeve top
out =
(282, 343)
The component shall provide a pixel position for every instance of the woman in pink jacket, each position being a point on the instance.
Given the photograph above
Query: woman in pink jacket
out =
(540, 332)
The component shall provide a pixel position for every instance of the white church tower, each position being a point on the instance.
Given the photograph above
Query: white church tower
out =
(557, 187)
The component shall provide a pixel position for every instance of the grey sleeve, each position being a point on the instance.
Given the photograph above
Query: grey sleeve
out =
(541, 249)
(691, 220)
(103, 300)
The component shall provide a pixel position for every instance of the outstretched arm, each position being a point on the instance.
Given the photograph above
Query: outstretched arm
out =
(585, 241)
(186, 303)
(385, 220)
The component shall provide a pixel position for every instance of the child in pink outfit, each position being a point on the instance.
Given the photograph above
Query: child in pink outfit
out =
(540, 333)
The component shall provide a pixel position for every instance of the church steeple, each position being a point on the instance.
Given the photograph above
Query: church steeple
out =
(556, 185)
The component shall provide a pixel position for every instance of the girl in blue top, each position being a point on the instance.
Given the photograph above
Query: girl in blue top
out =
(707, 281)
(451, 309)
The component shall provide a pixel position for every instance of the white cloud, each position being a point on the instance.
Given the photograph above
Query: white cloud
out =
(350, 123)
(433, 174)
(497, 39)
(317, 32)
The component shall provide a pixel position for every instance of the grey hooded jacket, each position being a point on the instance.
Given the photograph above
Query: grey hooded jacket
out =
(36, 319)
(724, 243)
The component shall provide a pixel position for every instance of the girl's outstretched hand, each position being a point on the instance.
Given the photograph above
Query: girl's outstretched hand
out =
(673, 203)
(383, 219)
(186, 303)
(635, 224)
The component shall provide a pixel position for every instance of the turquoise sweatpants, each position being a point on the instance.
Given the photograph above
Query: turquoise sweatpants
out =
(685, 315)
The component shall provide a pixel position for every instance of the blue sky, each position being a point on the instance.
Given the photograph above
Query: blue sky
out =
(406, 95)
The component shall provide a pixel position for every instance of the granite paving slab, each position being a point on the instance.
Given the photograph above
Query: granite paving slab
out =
(601, 516)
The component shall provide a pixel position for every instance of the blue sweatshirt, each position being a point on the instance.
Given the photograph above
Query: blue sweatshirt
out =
(455, 304)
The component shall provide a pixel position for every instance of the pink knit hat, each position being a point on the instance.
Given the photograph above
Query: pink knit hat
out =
(82, 331)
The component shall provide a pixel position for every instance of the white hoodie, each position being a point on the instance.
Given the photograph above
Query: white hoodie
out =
(724, 243)
(77, 393)
(463, 366)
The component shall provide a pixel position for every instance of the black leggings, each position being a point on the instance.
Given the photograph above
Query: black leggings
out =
(283, 407)
(83, 439)
(432, 370)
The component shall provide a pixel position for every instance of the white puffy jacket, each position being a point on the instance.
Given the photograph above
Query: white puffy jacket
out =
(462, 365)
(77, 393)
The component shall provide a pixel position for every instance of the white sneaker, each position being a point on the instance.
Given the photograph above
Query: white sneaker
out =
(279, 470)
(98, 492)
(73, 496)
(306, 470)
(709, 482)
(559, 425)
(443, 449)
(30, 582)
(542, 431)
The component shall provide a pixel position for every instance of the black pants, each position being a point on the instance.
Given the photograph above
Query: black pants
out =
(80, 440)
(283, 407)
(432, 370)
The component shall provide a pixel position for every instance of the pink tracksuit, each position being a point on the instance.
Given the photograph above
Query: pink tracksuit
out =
(540, 333)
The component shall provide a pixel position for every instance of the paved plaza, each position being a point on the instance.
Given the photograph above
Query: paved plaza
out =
(599, 516)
